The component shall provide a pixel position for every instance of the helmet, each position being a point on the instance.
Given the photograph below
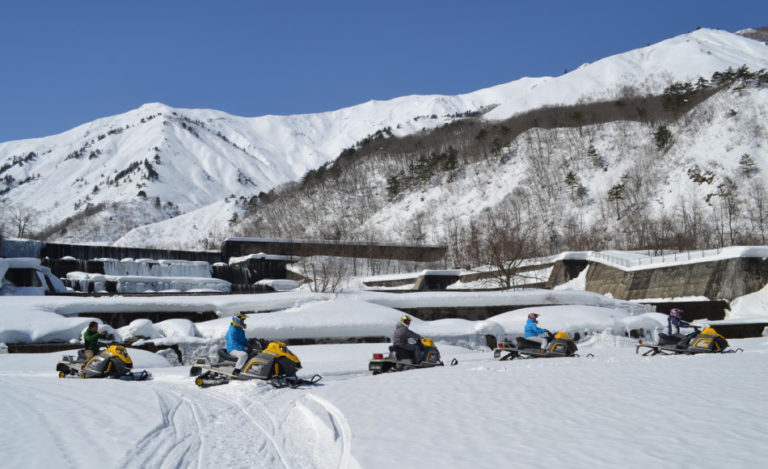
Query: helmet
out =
(405, 320)
(676, 312)
(533, 316)
(239, 320)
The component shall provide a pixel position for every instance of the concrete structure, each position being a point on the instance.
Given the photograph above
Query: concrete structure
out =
(236, 247)
(716, 280)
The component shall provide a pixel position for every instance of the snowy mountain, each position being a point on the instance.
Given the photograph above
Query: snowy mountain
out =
(159, 176)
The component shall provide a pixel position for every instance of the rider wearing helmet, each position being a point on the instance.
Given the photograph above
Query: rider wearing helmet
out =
(535, 334)
(675, 320)
(406, 339)
(237, 344)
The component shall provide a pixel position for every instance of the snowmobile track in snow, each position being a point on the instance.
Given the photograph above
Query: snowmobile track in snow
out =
(278, 449)
(10, 403)
(342, 426)
(181, 443)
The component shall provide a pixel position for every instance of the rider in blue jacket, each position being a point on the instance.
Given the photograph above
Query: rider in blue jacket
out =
(237, 344)
(535, 334)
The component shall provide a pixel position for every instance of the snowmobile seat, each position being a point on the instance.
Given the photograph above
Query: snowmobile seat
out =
(224, 356)
(523, 343)
(402, 354)
(677, 340)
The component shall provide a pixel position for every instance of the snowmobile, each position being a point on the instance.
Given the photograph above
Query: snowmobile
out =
(274, 363)
(400, 359)
(705, 340)
(559, 345)
(112, 362)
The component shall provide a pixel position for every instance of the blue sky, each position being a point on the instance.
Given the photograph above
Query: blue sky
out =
(64, 63)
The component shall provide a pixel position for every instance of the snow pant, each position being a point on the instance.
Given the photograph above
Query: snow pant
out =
(89, 354)
(242, 357)
(415, 349)
(541, 338)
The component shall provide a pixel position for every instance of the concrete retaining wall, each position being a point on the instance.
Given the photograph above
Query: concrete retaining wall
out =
(717, 280)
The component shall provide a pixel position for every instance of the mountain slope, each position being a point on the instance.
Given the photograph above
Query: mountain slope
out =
(173, 161)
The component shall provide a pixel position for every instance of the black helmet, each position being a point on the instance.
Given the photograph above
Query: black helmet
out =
(405, 320)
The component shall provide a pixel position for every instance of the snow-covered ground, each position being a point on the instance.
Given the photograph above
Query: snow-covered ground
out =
(614, 410)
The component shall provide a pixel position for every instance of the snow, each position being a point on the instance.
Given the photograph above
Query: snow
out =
(578, 283)
(679, 59)
(750, 308)
(279, 284)
(220, 155)
(139, 284)
(599, 411)
(617, 409)
(261, 256)
(606, 411)
(156, 268)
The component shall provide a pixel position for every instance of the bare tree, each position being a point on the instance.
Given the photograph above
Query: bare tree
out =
(758, 207)
(506, 242)
(21, 219)
(325, 274)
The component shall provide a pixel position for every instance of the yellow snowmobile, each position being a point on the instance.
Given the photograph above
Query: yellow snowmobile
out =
(400, 359)
(559, 345)
(113, 362)
(705, 340)
(275, 364)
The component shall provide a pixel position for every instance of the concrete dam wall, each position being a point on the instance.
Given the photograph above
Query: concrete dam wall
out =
(716, 280)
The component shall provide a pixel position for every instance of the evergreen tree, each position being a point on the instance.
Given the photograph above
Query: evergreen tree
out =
(616, 194)
(747, 165)
(572, 181)
(393, 187)
(596, 160)
(662, 137)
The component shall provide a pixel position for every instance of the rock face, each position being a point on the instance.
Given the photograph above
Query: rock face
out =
(717, 280)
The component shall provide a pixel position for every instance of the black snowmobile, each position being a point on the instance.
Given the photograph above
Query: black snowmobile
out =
(705, 340)
(112, 362)
(274, 363)
(400, 359)
(559, 345)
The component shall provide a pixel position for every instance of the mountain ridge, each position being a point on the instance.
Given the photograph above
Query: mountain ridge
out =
(187, 159)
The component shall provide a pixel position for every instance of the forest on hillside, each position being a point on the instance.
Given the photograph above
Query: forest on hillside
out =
(620, 174)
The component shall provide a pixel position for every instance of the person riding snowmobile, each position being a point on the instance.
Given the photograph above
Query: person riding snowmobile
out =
(535, 334)
(91, 338)
(406, 339)
(237, 343)
(675, 320)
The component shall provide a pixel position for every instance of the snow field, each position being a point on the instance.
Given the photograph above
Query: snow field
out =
(617, 409)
